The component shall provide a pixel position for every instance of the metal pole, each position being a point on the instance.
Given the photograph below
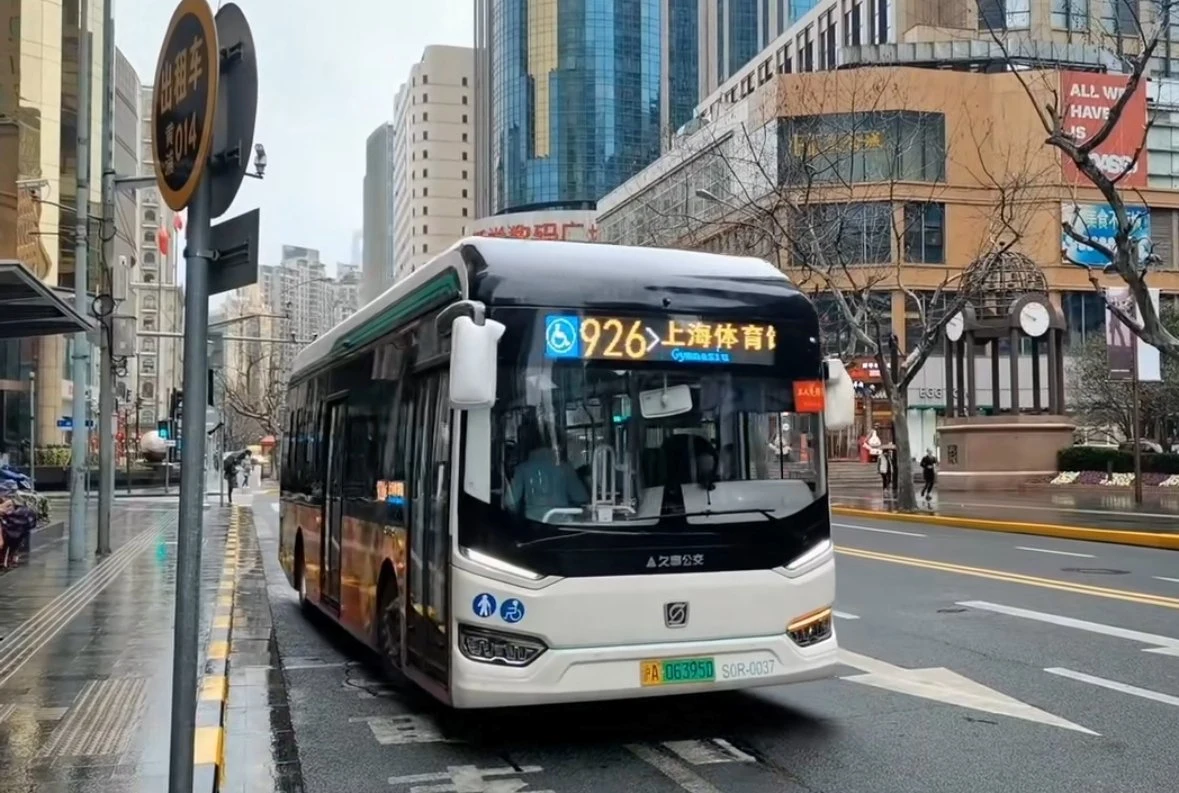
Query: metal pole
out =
(33, 429)
(80, 365)
(106, 375)
(1134, 420)
(192, 473)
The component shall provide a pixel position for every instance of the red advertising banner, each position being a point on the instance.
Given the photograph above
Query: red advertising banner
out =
(1088, 98)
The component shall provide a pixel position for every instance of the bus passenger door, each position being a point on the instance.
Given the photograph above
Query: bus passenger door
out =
(333, 503)
(427, 615)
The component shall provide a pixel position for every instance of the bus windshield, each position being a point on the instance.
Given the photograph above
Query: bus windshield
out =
(587, 445)
(609, 466)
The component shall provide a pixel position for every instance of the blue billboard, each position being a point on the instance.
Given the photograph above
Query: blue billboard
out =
(1097, 222)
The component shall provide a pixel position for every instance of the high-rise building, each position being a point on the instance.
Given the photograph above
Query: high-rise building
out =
(38, 138)
(571, 99)
(433, 169)
(574, 97)
(344, 294)
(357, 248)
(733, 32)
(378, 240)
(298, 290)
(159, 298)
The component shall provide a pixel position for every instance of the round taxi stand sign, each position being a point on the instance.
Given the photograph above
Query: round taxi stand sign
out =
(185, 102)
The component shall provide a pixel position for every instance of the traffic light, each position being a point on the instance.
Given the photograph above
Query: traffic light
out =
(176, 404)
(164, 428)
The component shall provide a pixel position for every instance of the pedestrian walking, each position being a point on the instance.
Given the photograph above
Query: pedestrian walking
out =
(929, 473)
(884, 468)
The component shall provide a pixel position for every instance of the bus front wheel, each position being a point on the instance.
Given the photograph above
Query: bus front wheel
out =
(389, 631)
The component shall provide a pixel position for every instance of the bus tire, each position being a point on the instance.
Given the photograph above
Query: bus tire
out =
(388, 630)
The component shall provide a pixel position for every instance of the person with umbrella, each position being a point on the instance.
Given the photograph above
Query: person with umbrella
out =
(230, 466)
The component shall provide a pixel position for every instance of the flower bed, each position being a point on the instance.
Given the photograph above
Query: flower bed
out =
(1117, 479)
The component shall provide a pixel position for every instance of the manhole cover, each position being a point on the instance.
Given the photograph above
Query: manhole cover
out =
(1094, 570)
(951, 610)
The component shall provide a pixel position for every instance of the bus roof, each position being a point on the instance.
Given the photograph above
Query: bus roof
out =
(538, 272)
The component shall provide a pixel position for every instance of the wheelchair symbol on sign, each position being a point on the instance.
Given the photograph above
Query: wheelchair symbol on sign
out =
(561, 336)
(512, 611)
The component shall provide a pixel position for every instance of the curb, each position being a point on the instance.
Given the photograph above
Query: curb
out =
(209, 749)
(1143, 539)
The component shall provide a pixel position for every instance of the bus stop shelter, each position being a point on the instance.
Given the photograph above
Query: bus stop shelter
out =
(29, 307)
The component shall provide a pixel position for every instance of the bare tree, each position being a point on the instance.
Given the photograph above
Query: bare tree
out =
(255, 394)
(843, 195)
(1105, 402)
(1101, 129)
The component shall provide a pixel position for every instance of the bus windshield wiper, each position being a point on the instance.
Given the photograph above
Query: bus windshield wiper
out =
(567, 533)
(708, 513)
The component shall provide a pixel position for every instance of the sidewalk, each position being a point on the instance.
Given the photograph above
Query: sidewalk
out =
(1088, 516)
(86, 654)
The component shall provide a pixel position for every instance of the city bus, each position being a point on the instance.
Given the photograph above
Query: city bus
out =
(541, 472)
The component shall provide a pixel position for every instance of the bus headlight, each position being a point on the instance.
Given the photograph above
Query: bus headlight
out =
(816, 552)
(810, 628)
(499, 647)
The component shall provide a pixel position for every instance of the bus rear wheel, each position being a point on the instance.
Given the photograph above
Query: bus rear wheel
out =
(389, 632)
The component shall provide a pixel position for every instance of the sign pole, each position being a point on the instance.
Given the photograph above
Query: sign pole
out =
(106, 376)
(192, 471)
(184, 106)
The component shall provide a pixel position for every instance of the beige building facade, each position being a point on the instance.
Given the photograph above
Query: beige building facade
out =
(434, 175)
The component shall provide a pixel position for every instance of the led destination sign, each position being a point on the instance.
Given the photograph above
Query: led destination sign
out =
(673, 339)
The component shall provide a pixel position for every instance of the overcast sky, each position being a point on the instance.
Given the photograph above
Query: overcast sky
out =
(328, 72)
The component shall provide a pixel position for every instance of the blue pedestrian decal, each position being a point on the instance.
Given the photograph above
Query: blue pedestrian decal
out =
(562, 336)
(484, 605)
(512, 610)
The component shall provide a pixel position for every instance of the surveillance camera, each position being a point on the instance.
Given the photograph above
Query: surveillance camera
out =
(259, 160)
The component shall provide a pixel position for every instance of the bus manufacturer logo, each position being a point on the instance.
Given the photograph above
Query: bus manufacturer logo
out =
(675, 614)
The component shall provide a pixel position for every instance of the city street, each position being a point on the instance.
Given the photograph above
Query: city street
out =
(975, 661)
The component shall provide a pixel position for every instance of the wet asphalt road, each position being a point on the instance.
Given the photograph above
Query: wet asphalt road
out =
(992, 608)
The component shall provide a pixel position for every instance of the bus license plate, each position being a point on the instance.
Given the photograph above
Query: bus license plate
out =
(669, 671)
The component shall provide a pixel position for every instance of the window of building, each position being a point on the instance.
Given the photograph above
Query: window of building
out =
(149, 278)
(147, 364)
(838, 337)
(464, 192)
(464, 118)
(925, 238)
(425, 174)
(464, 174)
(149, 236)
(425, 211)
(149, 257)
(1071, 14)
(425, 248)
(464, 82)
(464, 155)
(149, 216)
(425, 134)
(464, 99)
(425, 79)
(1004, 14)
(425, 192)
(150, 302)
(147, 389)
(836, 235)
(425, 98)
(1084, 316)
(464, 137)
(425, 229)
(149, 323)
(1120, 17)
(464, 210)
(862, 147)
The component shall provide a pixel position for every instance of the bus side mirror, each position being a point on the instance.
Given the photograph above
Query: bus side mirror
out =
(840, 404)
(473, 363)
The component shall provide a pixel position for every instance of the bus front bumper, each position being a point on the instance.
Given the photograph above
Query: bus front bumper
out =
(604, 673)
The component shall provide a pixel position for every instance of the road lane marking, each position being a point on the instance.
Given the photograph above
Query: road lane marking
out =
(1014, 578)
(876, 530)
(843, 615)
(709, 752)
(673, 769)
(1114, 685)
(1154, 642)
(1164, 578)
(943, 685)
(1058, 553)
